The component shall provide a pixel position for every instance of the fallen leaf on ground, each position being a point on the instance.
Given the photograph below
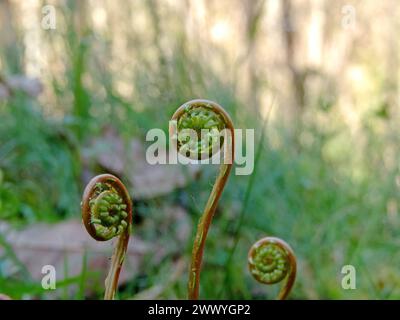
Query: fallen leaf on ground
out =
(128, 161)
(64, 246)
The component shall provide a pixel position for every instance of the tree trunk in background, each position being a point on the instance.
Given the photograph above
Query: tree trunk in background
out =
(392, 62)
(315, 33)
(390, 105)
(79, 43)
(8, 39)
(296, 75)
(253, 14)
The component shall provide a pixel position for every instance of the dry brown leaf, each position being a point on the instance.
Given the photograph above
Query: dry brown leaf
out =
(129, 162)
(63, 245)
(31, 86)
(4, 93)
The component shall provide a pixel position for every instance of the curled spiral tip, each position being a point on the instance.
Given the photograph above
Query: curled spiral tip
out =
(200, 130)
(272, 260)
(106, 207)
(197, 128)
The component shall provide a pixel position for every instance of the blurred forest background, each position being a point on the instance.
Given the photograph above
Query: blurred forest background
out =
(78, 100)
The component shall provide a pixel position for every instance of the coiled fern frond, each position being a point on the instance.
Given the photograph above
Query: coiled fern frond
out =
(271, 260)
(197, 118)
(107, 213)
(209, 129)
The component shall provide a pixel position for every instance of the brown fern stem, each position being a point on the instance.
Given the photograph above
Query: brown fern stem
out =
(212, 202)
(107, 213)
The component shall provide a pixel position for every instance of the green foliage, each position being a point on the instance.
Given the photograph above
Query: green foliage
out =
(330, 193)
(39, 168)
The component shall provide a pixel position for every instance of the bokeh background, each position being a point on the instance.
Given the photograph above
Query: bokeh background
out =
(78, 100)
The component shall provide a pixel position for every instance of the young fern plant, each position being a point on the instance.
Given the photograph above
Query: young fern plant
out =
(107, 213)
(271, 260)
(212, 133)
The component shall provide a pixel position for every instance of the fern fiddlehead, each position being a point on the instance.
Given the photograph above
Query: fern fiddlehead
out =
(207, 120)
(107, 213)
(270, 261)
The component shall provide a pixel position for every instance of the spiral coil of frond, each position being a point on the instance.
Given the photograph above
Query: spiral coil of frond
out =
(210, 127)
(272, 260)
(107, 213)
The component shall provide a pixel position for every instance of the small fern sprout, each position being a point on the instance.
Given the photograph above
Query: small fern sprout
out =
(271, 260)
(107, 213)
(202, 129)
